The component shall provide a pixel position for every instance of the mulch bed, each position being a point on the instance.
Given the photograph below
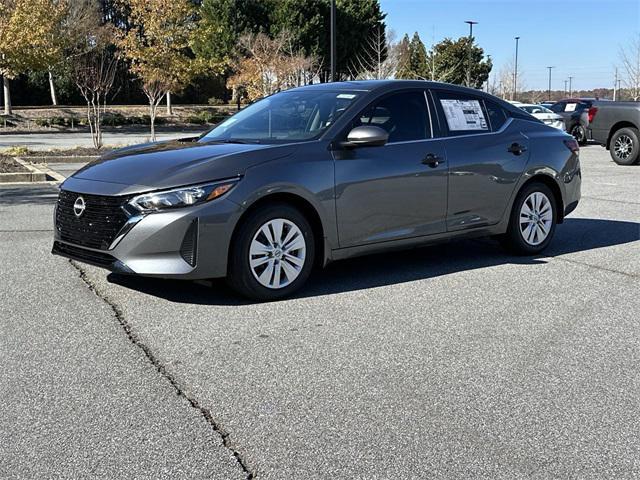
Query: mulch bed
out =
(73, 152)
(9, 165)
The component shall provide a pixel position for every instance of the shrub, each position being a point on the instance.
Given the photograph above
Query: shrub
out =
(215, 101)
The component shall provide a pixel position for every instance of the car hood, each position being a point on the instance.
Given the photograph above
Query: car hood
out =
(170, 164)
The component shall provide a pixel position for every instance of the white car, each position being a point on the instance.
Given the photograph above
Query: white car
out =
(543, 113)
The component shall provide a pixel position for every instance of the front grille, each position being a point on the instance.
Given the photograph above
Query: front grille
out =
(98, 225)
(95, 258)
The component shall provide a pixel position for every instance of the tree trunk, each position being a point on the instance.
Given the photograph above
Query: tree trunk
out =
(7, 96)
(52, 88)
(169, 109)
(152, 119)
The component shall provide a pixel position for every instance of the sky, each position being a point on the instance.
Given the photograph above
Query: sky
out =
(579, 38)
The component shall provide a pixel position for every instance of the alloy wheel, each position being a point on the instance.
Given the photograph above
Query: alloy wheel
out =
(536, 218)
(623, 147)
(277, 253)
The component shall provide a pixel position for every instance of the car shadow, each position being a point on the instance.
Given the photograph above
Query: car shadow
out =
(28, 195)
(575, 235)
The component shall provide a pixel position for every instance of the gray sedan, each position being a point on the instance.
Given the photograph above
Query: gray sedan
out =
(317, 174)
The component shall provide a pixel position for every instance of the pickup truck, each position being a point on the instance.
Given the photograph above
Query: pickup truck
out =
(616, 125)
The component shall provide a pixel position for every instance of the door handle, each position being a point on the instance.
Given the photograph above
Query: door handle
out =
(432, 160)
(516, 149)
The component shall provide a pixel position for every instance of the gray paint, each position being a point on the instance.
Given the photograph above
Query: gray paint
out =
(368, 198)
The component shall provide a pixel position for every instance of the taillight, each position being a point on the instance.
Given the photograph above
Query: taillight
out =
(592, 113)
(572, 145)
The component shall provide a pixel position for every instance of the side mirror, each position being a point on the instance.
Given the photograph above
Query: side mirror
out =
(366, 136)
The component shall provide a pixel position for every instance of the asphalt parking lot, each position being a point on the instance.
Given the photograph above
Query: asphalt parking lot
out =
(454, 361)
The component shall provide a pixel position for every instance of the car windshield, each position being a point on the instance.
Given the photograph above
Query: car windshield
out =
(284, 117)
(536, 109)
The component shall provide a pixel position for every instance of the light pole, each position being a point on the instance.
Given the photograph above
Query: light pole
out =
(549, 90)
(565, 87)
(333, 40)
(471, 24)
(515, 73)
(570, 87)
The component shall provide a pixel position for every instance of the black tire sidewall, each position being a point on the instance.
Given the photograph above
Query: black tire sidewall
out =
(583, 134)
(513, 238)
(635, 153)
(240, 276)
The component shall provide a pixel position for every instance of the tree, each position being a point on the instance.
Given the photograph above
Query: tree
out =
(79, 24)
(28, 39)
(505, 81)
(412, 59)
(378, 60)
(630, 57)
(449, 62)
(158, 48)
(270, 65)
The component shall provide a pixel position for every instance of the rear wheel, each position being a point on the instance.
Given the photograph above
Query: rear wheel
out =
(624, 146)
(579, 133)
(533, 220)
(273, 253)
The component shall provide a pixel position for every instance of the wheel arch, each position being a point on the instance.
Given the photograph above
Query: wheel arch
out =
(616, 127)
(298, 202)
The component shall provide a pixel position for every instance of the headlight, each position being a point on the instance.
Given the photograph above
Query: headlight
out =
(180, 197)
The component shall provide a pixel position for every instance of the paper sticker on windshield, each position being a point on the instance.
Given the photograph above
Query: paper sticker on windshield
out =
(571, 107)
(347, 96)
(464, 115)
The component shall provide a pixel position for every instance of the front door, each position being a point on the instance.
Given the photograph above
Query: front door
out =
(398, 190)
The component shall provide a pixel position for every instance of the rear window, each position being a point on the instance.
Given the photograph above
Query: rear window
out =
(464, 114)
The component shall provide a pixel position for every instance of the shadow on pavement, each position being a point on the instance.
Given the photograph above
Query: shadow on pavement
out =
(575, 235)
(28, 194)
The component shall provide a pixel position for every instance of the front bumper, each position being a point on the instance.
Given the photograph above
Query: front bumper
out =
(187, 243)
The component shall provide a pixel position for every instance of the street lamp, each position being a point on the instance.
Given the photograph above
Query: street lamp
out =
(471, 24)
(515, 72)
(333, 40)
(549, 90)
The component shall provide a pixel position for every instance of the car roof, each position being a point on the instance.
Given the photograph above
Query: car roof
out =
(391, 85)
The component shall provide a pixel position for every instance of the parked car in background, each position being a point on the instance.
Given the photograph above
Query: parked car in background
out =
(547, 104)
(321, 173)
(616, 125)
(543, 114)
(577, 113)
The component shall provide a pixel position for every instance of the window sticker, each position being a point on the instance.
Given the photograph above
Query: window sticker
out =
(571, 107)
(464, 115)
(348, 96)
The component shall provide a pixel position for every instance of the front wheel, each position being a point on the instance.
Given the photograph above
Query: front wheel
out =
(533, 220)
(624, 147)
(273, 253)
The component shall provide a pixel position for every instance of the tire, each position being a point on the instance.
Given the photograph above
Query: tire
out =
(624, 146)
(579, 133)
(276, 272)
(527, 238)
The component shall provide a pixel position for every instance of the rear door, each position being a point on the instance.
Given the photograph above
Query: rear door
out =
(398, 190)
(486, 153)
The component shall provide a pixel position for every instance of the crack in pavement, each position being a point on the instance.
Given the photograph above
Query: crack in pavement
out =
(226, 442)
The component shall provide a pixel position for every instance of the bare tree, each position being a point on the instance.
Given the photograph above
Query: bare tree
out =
(271, 65)
(379, 58)
(76, 34)
(505, 81)
(95, 73)
(630, 57)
